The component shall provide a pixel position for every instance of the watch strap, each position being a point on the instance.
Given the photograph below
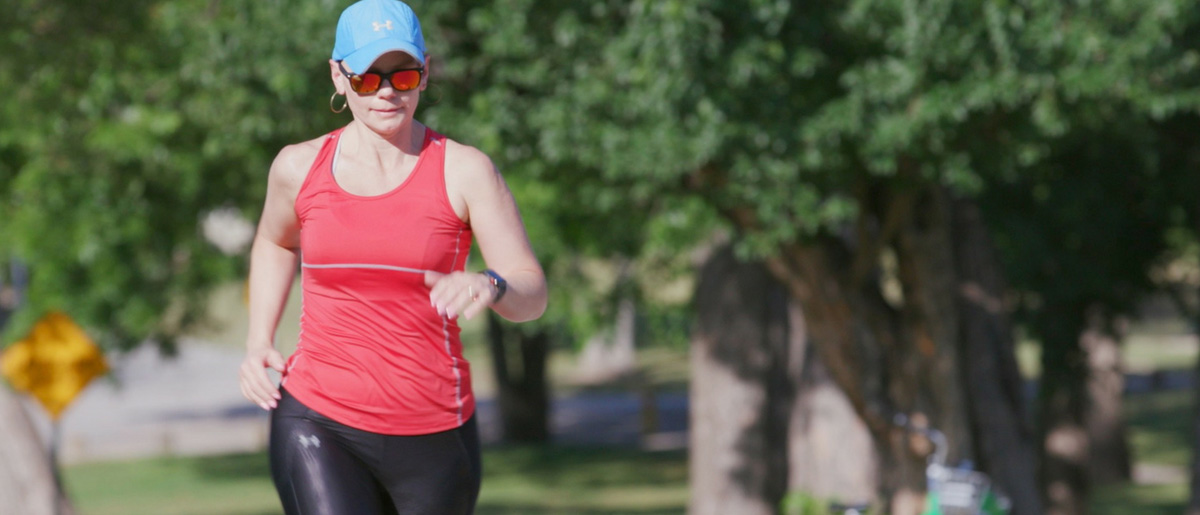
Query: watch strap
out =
(498, 282)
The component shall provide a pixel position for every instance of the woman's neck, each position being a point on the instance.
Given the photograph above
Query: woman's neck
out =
(407, 140)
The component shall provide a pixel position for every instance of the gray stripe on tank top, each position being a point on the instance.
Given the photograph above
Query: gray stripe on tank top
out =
(367, 266)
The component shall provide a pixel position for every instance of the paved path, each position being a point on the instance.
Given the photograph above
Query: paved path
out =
(191, 405)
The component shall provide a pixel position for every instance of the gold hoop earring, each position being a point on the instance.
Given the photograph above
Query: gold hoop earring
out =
(334, 97)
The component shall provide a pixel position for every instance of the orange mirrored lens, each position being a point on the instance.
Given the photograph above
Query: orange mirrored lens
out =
(366, 82)
(405, 80)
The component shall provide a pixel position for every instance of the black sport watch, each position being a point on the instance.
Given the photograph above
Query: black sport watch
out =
(497, 281)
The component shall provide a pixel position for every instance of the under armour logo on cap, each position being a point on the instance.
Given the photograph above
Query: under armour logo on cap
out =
(380, 26)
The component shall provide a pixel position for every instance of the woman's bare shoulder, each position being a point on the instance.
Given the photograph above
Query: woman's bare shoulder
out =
(292, 163)
(467, 163)
(472, 181)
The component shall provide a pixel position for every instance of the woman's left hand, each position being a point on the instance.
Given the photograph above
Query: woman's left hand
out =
(465, 293)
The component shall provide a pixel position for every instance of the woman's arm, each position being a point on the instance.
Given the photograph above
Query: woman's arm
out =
(479, 194)
(273, 260)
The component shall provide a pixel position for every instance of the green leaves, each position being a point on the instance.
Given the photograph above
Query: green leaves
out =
(623, 127)
(131, 123)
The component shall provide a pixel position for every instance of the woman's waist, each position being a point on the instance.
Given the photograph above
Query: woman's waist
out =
(345, 333)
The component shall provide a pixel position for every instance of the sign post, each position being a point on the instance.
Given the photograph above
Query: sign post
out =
(54, 362)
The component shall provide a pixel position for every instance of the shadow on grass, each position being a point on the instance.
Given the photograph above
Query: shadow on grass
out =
(528, 479)
(582, 480)
(552, 464)
(584, 466)
(1161, 426)
(1141, 499)
(233, 466)
(541, 510)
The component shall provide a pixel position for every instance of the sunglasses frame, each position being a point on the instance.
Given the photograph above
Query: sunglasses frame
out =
(383, 77)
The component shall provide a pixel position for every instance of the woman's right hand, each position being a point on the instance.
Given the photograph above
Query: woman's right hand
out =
(256, 386)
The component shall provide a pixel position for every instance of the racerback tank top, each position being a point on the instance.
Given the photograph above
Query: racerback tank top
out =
(373, 353)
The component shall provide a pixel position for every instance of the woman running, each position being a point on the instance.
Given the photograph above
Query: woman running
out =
(374, 413)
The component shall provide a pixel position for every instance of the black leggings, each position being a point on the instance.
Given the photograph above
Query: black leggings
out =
(324, 467)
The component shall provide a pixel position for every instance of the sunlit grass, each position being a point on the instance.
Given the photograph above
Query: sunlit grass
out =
(232, 484)
(1158, 345)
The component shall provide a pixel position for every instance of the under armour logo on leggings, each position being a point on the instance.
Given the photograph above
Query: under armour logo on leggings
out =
(309, 440)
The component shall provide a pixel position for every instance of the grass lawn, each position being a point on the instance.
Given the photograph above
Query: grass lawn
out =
(233, 485)
(1169, 499)
(517, 480)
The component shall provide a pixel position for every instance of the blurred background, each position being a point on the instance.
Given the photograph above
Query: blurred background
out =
(789, 244)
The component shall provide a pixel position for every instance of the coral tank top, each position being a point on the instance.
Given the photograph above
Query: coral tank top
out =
(373, 353)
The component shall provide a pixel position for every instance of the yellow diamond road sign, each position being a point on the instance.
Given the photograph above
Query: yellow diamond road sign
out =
(54, 362)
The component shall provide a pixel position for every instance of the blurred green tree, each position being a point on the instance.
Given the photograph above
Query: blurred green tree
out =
(846, 143)
(125, 126)
(1081, 229)
(1080, 234)
(129, 126)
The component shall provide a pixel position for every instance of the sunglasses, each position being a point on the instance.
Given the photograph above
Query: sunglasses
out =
(402, 80)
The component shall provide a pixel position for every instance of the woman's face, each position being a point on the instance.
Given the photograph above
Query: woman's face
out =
(385, 110)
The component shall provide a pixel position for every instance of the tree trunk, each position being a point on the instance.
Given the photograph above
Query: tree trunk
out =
(927, 269)
(853, 335)
(891, 339)
(899, 353)
(519, 361)
(1109, 454)
(741, 392)
(27, 479)
(1083, 433)
(1063, 407)
(1004, 445)
(927, 369)
(831, 452)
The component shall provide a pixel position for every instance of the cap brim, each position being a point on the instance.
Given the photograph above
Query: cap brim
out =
(360, 60)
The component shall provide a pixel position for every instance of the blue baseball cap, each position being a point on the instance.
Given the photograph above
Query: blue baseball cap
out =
(371, 28)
